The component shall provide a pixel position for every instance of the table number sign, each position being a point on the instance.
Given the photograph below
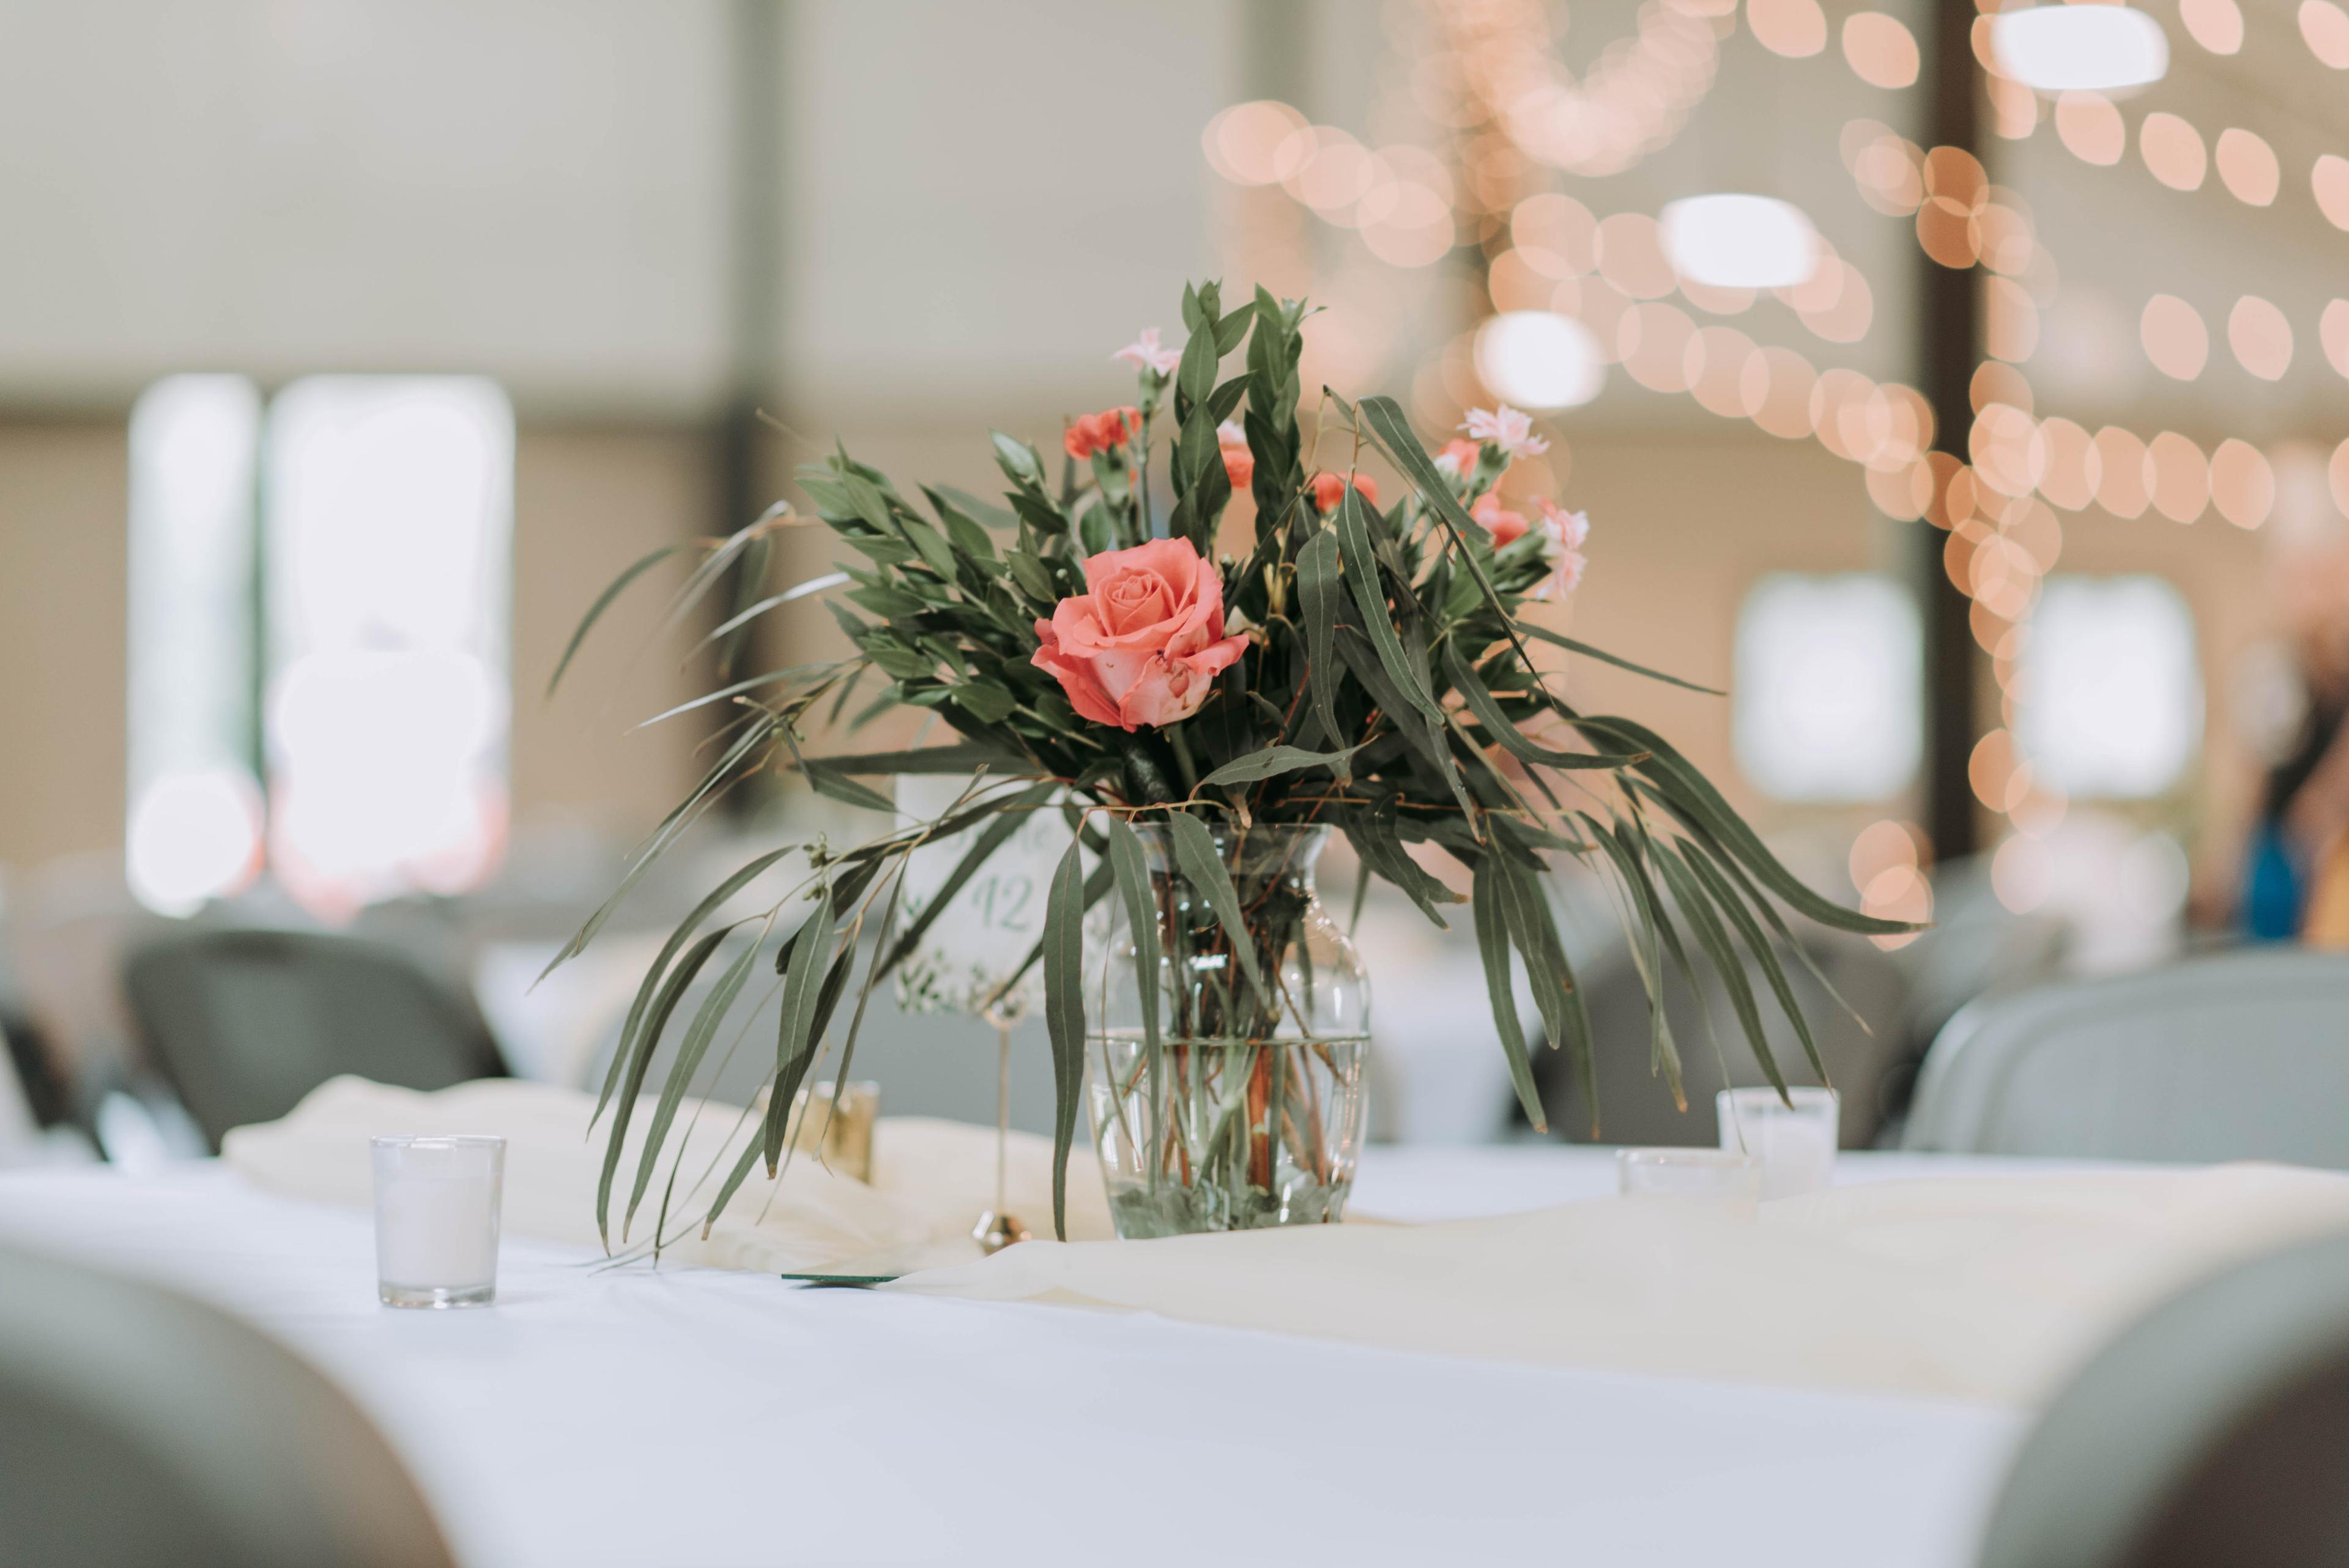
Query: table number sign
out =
(996, 917)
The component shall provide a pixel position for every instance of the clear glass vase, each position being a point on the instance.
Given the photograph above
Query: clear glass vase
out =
(1249, 1112)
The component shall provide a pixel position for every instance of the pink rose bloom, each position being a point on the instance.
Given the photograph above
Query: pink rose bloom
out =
(1507, 527)
(1145, 646)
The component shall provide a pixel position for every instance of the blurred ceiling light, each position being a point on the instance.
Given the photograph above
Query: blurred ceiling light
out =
(2080, 49)
(1796, 29)
(2173, 151)
(2216, 24)
(2261, 337)
(193, 822)
(2112, 702)
(2247, 167)
(390, 558)
(1826, 702)
(1733, 241)
(2325, 27)
(2174, 337)
(1539, 360)
(1880, 50)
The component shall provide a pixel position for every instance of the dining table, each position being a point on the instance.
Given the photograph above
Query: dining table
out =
(639, 1416)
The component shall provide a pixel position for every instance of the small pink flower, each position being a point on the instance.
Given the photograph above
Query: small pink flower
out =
(1458, 457)
(1145, 645)
(1240, 462)
(1328, 489)
(1506, 428)
(1507, 527)
(1144, 353)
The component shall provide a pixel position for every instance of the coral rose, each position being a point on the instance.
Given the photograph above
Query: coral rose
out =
(1145, 646)
(1505, 526)
(1328, 489)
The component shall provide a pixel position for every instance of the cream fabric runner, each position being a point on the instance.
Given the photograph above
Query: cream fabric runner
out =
(930, 1177)
(1985, 1288)
(1978, 1288)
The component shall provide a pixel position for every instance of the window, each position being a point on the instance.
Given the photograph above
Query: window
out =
(1825, 706)
(2111, 692)
(326, 590)
(193, 827)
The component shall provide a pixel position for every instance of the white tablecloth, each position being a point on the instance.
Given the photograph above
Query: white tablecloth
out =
(707, 1417)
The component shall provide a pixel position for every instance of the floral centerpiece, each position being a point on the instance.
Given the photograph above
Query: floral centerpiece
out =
(1205, 719)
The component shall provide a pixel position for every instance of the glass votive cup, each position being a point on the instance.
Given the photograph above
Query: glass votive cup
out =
(1796, 1144)
(1708, 1177)
(436, 1219)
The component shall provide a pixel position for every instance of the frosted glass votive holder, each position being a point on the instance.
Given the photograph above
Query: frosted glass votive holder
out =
(1711, 1177)
(436, 1219)
(1797, 1144)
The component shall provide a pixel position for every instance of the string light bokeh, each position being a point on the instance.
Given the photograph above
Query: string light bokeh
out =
(1504, 117)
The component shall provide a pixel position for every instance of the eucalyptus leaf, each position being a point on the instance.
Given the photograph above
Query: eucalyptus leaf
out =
(1064, 1016)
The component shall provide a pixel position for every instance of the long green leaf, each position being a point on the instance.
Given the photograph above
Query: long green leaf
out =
(1499, 725)
(791, 674)
(1194, 854)
(1318, 595)
(639, 1060)
(1370, 597)
(669, 950)
(604, 602)
(1560, 639)
(697, 1036)
(1380, 848)
(1131, 866)
(1687, 789)
(1765, 958)
(794, 1031)
(1064, 1016)
(1493, 945)
(1272, 761)
(962, 757)
(741, 618)
(1690, 897)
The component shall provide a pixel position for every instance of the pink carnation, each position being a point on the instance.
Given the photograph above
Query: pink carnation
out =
(1145, 353)
(1506, 428)
(1564, 533)
(1145, 645)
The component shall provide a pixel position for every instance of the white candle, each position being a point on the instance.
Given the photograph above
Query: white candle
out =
(1796, 1146)
(436, 1219)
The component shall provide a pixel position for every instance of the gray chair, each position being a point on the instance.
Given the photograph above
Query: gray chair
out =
(139, 1427)
(246, 1023)
(2240, 1055)
(2213, 1432)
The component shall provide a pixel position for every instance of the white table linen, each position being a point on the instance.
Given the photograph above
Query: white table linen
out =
(702, 1416)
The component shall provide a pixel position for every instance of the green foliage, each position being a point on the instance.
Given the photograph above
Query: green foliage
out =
(1389, 688)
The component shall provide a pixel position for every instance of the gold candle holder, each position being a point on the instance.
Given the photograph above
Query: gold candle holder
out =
(844, 1126)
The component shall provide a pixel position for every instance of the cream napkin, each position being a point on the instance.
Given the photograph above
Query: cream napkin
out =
(1980, 1288)
(930, 1177)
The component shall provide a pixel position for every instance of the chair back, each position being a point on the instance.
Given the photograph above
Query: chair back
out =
(246, 1022)
(2214, 1430)
(141, 1428)
(2239, 1055)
